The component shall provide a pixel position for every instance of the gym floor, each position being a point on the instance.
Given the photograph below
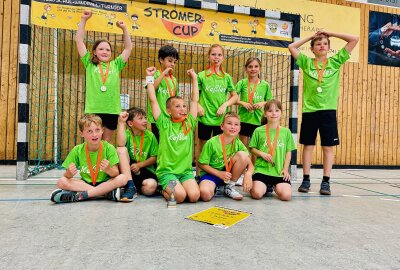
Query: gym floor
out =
(357, 227)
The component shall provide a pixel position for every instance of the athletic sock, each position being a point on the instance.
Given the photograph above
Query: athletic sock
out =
(306, 176)
(325, 178)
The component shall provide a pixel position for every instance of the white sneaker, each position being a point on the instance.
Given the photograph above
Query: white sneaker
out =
(232, 193)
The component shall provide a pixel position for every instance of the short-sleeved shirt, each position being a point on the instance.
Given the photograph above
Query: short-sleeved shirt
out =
(175, 152)
(213, 93)
(98, 101)
(78, 157)
(150, 147)
(162, 94)
(263, 93)
(213, 156)
(328, 98)
(285, 144)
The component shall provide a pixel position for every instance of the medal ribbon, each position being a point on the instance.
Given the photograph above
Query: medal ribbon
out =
(251, 93)
(182, 120)
(104, 76)
(171, 91)
(320, 71)
(270, 148)
(140, 146)
(93, 174)
(228, 165)
(213, 70)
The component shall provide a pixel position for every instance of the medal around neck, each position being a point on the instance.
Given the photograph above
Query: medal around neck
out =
(103, 88)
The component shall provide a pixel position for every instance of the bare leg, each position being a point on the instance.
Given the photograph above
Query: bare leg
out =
(328, 157)
(284, 191)
(149, 186)
(207, 189)
(307, 157)
(192, 190)
(258, 190)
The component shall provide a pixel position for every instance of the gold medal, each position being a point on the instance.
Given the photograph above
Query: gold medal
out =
(319, 89)
(103, 88)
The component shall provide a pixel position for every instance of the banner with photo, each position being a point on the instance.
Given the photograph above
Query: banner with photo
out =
(384, 39)
(314, 16)
(167, 22)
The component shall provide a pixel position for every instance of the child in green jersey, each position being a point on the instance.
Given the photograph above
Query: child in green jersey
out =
(272, 145)
(165, 84)
(98, 163)
(137, 150)
(103, 76)
(320, 100)
(214, 87)
(254, 94)
(174, 160)
(222, 161)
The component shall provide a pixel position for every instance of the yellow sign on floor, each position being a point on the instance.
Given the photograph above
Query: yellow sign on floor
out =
(220, 217)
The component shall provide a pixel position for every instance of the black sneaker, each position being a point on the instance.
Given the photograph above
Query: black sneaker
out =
(325, 188)
(129, 194)
(305, 186)
(63, 196)
(270, 189)
(114, 195)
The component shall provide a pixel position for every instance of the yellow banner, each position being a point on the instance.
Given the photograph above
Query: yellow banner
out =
(219, 216)
(315, 17)
(167, 22)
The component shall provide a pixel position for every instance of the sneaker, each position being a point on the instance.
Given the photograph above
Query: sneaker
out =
(63, 196)
(219, 190)
(270, 189)
(114, 195)
(305, 186)
(129, 194)
(232, 193)
(325, 188)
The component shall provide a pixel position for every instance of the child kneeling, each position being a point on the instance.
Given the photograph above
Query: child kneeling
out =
(98, 162)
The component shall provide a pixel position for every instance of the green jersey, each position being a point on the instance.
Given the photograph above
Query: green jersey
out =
(212, 152)
(150, 147)
(262, 93)
(175, 151)
(284, 144)
(103, 98)
(327, 96)
(213, 93)
(162, 94)
(78, 157)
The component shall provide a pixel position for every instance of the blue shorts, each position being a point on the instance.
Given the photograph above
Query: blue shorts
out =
(216, 180)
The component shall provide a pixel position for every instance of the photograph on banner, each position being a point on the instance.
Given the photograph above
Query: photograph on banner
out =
(314, 16)
(170, 22)
(384, 39)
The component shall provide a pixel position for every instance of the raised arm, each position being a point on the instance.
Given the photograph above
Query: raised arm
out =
(81, 32)
(127, 41)
(350, 39)
(151, 92)
(294, 47)
(121, 137)
(195, 93)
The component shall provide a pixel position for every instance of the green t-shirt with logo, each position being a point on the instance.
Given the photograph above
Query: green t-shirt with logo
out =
(263, 93)
(78, 157)
(162, 94)
(98, 101)
(285, 144)
(213, 93)
(150, 147)
(175, 151)
(328, 98)
(212, 152)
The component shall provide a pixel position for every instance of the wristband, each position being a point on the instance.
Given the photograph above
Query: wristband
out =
(149, 79)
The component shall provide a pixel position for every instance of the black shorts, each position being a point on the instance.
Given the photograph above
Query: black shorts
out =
(247, 129)
(269, 180)
(325, 122)
(155, 131)
(205, 132)
(144, 174)
(110, 121)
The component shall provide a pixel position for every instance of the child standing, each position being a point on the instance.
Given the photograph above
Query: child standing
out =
(102, 76)
(223, 159)
(214, 86)
(165, 84)
(272, 145)
(98, 162)
(137, 149)
(320, 100)
(174, 161)
(254, 94)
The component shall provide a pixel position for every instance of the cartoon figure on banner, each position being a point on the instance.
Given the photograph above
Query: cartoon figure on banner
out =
(135, 25)
(213, 30)
(234, 22)
(46, 13)
(111, 19)
(254, 25)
